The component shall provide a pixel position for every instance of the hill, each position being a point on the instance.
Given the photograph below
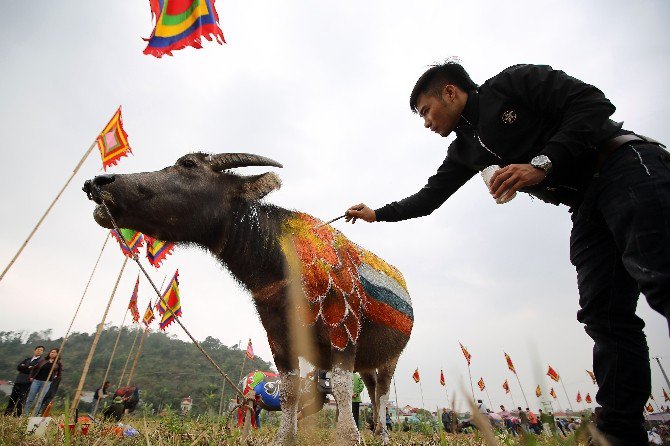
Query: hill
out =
(168, 369)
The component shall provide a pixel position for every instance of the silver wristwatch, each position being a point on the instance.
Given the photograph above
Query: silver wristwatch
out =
(541, 162)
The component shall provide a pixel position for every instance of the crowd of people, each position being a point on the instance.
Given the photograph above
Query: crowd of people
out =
(36, 383)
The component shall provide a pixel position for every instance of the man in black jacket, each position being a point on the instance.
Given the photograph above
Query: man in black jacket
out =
(22, 383)
(553, 137)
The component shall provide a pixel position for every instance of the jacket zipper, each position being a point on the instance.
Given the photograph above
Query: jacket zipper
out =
(481, 143)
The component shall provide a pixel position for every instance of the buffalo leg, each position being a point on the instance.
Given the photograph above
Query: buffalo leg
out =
(384, 376)
(343, 389)
(289, 390)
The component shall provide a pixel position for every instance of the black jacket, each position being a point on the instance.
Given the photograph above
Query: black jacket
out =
(526, 110)
(24, 369)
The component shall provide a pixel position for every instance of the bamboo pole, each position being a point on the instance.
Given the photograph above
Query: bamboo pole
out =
(423, 406)
(74, 317)
(223, 388)
(137, 356)
(658, 360)
(132, 347)
(512, 398)
(489, 398)
(472, 389)
(397, 406)
(566, 394)
(521, 387)
(87, 364)
(39, 222)
(244, 361)
(111, 358)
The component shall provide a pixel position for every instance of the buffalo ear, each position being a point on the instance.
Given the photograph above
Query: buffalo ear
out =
(255, 187)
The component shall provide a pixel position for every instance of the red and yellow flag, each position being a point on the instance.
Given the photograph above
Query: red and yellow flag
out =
(552, 393)
(649, 408)
(113, 141)
(538, 391)
(250, 350)
(588, 398)
(465, 353)
(665, 395)
(415, 375)
(510, 365)
(170, 300)
(132, 305)
(148, 316)
(579, 397)
(481, 384)
(592, 376)
(506, 386)
(157, 250)
(551, 373)
(133, 241)
(442, 382)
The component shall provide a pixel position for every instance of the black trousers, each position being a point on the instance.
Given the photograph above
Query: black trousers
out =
(17, 399)
(620, 245)
(355, 408)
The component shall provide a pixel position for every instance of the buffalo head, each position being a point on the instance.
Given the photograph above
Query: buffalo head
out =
(183, 201)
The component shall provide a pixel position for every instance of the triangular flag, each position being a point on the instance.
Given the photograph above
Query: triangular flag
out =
(552, 393)
(665, 395)
(250, 350)
(481, 384)
(465, 353)
(132, 305)
(579, 397)
(510, 365)
(506, 386)
(133, 240)
(415, 375)
(592, 376)
(442, 382)
(551, 373)
(538, 391)
(157, 250)
(169, 305)
(588, 398)
(113, 141)
(148, 316)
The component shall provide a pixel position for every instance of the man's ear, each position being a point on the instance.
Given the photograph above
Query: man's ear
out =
(449, 93)
(255, 187)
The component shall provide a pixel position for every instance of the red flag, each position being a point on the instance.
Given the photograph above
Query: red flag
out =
(169, 305)
(442, 382)
(592, 376)
(132, 305)
(538, 391)
(510, 365)
(588, 398)
(113, 141)
(551, 373)
(148, 316)
(415, 375)
(465, 353)
(481, 384)
(579, 397)
(250, 350)
(552, 393)
(665, 395)
(506, 386)
(650, 408)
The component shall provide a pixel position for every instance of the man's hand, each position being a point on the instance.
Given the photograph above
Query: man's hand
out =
(360, 211)
(514, 177)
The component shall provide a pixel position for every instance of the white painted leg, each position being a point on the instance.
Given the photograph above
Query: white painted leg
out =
(383, 402)
(288, 395)
(343, 388)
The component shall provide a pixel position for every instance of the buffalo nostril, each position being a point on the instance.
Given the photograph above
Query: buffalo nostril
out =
(101, 180)
(87, 187)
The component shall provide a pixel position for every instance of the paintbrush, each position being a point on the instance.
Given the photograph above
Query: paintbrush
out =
(330, 221)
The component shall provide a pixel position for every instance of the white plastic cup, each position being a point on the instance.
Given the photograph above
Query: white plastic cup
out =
(487, 174)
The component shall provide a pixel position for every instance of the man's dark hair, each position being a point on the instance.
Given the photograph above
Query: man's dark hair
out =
(436, 77)
(40, 346)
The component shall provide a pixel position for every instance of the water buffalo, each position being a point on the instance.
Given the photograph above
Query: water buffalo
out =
(356, 306)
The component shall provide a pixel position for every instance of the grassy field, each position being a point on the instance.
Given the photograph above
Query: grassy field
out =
(172, 430)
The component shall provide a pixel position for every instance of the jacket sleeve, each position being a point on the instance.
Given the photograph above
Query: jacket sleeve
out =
(34, 370)
(23, 366)
(582, 109)
(447, 180)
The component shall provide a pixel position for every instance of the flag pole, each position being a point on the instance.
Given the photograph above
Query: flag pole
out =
(139, 347)
(223, 388)
(423, 405)
(244, 361)
(397, 407)
(512, 398)
(472, 389)
(111, 358)
(489, 398)
(566, 393)
(132, 348)
(39, 222)
(521, 387)
(658, 360)
(87, 364)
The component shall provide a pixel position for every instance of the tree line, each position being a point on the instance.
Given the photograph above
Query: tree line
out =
(168, 369)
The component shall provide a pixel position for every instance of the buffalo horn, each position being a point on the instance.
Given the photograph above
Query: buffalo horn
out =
(224, 161)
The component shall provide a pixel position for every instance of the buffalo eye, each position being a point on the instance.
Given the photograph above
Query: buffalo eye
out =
(187, 163)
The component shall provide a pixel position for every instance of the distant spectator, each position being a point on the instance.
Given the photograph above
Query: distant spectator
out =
(447, 420)
(389, 423)
(523, 418)
(533, 421)
(49, 395)
(38, 377)
(356, 396)
(481, 407)
(102, 392)
(22, 383)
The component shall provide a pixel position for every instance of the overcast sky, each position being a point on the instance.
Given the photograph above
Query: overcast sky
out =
(322, 87)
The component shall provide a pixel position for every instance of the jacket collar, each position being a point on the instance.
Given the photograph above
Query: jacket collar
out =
(470, 115)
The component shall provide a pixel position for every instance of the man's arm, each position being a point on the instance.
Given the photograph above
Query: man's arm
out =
(447, 180)
(582, 110)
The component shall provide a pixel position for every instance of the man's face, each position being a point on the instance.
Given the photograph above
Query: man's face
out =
(441, 113)
(39, 351)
